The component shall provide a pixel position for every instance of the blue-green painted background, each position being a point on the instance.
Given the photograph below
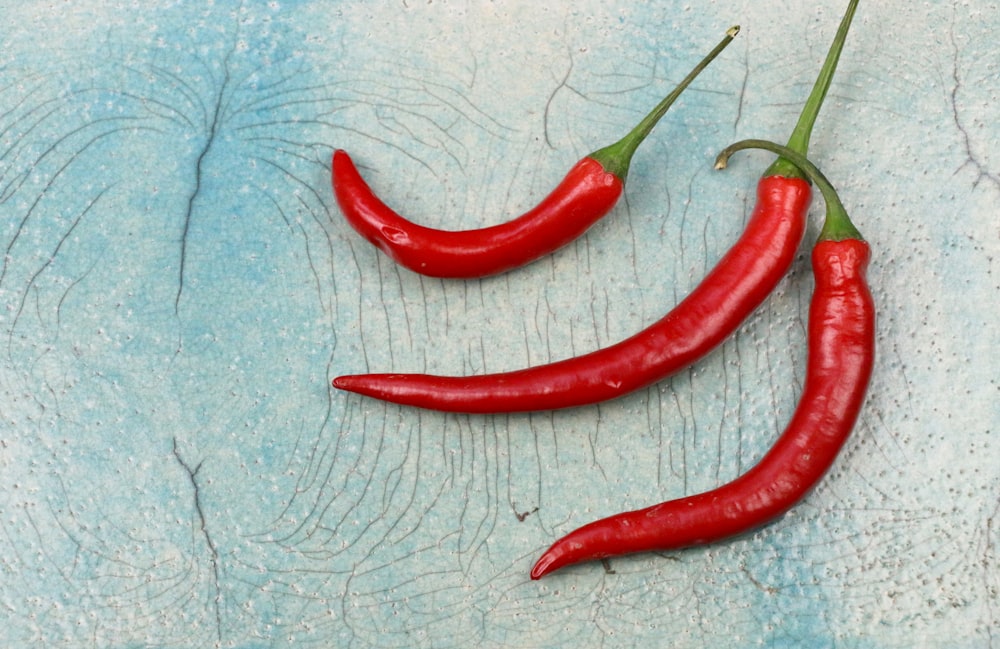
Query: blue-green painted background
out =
(178, 287)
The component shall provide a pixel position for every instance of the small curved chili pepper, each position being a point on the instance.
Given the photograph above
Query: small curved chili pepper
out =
(587, 193)
(841, 355)
(733, 289)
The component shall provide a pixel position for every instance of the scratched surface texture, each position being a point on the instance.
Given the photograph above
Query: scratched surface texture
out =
(178, 287)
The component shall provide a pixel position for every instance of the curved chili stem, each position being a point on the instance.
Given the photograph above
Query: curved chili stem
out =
(837, 225)
(799, 140)
(617, 157)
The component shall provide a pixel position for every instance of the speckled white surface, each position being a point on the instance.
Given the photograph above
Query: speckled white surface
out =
(178, 288)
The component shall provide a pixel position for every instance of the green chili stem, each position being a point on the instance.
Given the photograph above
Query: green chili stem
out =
(799, 140)
(617, 157)
(837, 225)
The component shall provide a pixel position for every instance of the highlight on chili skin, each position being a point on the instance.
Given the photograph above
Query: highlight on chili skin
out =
(586, 194)
(737, 285)
(841, 351)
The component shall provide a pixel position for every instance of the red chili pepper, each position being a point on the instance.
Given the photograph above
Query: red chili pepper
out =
(726, 297)
(841, 354)
(587, 193)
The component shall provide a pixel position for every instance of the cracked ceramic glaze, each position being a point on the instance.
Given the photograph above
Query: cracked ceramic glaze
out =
(177, 288)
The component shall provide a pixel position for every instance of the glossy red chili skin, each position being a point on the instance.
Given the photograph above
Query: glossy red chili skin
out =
(734, 288)
(587, 193)
(841, 356)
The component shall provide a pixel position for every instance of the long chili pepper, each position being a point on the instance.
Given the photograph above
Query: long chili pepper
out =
(841, 354)
(587, 193)
(733, 289)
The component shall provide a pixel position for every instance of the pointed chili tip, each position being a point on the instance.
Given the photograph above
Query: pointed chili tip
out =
(363, 384)
(349, 383)
(542, 567)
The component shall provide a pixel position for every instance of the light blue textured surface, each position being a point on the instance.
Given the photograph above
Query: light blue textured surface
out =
(178, 288)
